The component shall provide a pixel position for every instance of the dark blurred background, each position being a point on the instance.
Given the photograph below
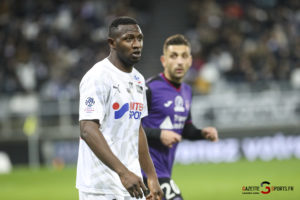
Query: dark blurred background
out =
(245, 73)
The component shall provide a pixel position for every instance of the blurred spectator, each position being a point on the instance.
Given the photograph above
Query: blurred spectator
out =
(245, 41)
(45, 46)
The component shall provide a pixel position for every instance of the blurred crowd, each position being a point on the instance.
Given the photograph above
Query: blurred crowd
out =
(46, 46)
(241, 41)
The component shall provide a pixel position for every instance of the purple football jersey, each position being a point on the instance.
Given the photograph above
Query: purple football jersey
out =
(169, 109)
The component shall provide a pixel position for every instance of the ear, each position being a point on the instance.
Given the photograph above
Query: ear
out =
(111, 42)
(191, 60)
(162, 60)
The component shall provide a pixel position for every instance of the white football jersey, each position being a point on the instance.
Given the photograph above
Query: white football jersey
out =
(118, 100)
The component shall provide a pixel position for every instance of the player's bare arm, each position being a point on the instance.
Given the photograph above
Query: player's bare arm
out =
(90, 133)
(210, 133)
(168, 138)
(147, 165)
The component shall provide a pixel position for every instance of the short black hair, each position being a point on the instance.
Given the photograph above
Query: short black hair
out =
(124, 20)
(177, 39)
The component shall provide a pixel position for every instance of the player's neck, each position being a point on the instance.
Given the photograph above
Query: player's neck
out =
(119, 64)
(175, 84)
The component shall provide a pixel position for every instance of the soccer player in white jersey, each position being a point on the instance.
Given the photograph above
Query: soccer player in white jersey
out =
(113, 146)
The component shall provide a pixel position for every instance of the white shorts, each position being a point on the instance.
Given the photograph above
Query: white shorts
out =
(92, 196)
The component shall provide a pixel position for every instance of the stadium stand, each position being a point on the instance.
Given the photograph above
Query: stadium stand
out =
(254, 42)
(46, 46)
(245, 72)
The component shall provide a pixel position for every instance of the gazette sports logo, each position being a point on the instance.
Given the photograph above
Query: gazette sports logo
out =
(265, 188)
(134, 108)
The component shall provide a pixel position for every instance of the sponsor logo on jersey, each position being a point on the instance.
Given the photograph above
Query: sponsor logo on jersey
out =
(134, 108)
(168, 103)
(116, 87)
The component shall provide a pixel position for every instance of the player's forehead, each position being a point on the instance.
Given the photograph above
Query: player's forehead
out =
(178, 49)
(129, 29)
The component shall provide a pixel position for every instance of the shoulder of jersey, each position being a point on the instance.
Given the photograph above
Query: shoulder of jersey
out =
(139, 74)
(153, 79)
(99, 69)
(101, 66)
(187, 86)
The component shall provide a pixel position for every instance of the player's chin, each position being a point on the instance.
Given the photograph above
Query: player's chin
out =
(135, 59)
(179, 75)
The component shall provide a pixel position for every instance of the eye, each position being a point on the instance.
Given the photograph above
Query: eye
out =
(140, 38)
(173, 56)
(129, 38)
(185, 56)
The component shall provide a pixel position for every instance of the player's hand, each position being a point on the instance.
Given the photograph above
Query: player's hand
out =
(155, 191)
(210, 133)
(133, 184)
(168, 138)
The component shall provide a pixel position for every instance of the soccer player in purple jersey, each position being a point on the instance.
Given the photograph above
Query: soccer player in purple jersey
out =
(169, 114)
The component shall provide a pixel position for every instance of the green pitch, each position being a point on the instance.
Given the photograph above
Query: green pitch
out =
(197, 182)
(225, 181)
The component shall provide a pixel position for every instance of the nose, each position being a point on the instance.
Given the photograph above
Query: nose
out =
(137, 43)
(180, 60)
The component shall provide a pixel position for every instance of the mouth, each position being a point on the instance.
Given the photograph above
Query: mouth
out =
(137, 54)
(179, 70)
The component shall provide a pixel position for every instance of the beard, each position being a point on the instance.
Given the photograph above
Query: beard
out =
(127, 61)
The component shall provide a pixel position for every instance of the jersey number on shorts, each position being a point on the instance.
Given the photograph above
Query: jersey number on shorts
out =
(171, 189)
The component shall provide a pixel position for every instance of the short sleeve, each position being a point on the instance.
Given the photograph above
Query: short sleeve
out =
(189, 118)
(93, 95)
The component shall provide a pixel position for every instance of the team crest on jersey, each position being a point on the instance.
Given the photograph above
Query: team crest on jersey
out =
(179, 104)
(134, 108)
(89, 102)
